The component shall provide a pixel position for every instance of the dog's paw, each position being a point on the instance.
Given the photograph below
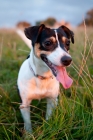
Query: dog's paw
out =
(27, 135)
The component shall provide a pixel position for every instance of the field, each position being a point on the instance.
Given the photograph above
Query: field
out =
(73, 117)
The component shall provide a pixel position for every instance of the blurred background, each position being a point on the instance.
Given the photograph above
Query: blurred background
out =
(31, 12)
(73, 118)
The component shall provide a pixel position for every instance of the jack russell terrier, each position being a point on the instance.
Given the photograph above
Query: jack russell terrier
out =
(40, 74)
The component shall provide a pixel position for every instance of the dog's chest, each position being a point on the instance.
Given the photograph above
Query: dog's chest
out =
(37, 88)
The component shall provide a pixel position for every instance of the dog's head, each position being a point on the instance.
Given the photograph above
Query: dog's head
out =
(52, 45)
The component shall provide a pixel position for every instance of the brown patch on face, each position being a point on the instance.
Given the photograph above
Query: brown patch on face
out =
(38, 52)
(53, 39)
(64, 39)
(66, 42)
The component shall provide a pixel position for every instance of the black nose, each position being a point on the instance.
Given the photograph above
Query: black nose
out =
(66, 60)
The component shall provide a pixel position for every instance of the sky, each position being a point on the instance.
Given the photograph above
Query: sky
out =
(13, 11)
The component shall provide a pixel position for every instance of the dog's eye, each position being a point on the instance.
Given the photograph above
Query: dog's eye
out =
(67, 48)
(68, 43)
(47, 43)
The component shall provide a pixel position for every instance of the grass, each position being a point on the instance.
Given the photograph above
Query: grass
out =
(73, 118)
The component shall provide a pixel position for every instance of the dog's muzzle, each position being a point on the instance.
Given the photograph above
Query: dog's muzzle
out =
(60, 71)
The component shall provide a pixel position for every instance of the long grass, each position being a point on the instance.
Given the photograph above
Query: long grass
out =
(73, 117)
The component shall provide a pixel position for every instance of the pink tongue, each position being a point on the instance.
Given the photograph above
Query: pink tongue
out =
(63, 77)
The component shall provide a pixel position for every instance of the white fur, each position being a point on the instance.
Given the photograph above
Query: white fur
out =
(31, 87)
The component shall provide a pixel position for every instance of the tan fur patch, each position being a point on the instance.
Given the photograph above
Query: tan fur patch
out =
(53, 39)
(37, 89)
(38, 52)
(64, 39)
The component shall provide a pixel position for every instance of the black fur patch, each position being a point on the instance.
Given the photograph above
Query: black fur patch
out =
(28, 56)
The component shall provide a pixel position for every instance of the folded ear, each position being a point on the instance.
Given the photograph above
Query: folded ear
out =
(32, 33)
(68, 32)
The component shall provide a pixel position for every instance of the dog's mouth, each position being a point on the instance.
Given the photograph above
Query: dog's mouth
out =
(50, 65)
(59, 72)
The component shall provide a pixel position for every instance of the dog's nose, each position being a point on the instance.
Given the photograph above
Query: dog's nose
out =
(66, 60)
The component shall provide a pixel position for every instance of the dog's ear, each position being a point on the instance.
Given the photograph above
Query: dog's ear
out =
(32, 33)
(68, 32)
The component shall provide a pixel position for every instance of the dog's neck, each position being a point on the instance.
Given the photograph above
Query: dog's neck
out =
(38, 66)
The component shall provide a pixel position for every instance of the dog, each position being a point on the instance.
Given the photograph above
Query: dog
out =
(40, 74)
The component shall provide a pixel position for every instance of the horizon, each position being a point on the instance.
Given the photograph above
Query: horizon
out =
(13, 12)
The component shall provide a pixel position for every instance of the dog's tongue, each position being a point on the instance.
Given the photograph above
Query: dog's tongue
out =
(63, 77)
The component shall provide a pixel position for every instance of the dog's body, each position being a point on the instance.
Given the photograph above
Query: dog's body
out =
(40, 74)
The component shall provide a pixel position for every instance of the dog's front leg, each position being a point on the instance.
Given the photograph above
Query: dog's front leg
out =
(51, 104)
(25, 111)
